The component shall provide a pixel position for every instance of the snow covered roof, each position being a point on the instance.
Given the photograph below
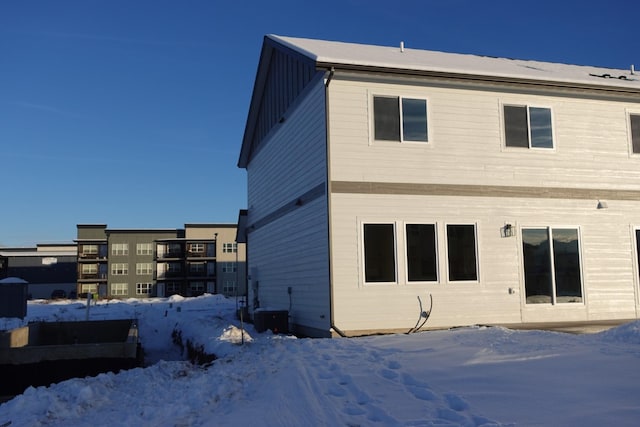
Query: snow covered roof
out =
(361, 56)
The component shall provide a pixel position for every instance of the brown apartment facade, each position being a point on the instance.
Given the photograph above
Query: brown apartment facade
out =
(140, 263)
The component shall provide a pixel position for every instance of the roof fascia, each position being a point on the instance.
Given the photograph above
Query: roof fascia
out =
(481, 78)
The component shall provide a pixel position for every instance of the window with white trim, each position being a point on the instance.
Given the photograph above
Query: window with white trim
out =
(422, 259)
(379, 253)
(462, 252)
(89, 249)
(228, 248)
(144, 268)
(552, 270)
(144, 288)
(119, 289)
(527, 127)
(89, 269)
(144, 248)
(120, 249)
(634, 126)
(401, 119)
(196, 248)
(89, 288)
(120, 269)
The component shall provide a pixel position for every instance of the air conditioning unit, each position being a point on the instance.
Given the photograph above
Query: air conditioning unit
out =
(275, 320)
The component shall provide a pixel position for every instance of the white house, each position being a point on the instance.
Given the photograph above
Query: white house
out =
(507, 190)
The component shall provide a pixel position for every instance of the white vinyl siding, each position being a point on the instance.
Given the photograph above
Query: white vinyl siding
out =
(298, 257)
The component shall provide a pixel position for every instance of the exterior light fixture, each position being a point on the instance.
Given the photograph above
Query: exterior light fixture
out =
(602, 205)
(507, 230)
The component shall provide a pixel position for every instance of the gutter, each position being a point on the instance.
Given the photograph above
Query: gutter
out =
(327, 81)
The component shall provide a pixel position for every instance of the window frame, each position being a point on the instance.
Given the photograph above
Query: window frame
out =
(476, 249)
(436, 251)
(362, 245)
(120, 249)
(119, 289)
(629, 115)
(120, 269)
(144, 268)
(144, 248)
(527, 107)
(230, 248)
(552, 265)
(401, 140)
(635, 242)
(145, 288)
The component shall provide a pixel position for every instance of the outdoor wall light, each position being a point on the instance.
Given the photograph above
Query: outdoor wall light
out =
(602, 205)
(507, 230)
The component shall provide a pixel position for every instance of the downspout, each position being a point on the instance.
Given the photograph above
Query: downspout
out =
(327, 81)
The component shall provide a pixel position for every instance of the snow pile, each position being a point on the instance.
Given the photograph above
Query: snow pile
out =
(465, 377)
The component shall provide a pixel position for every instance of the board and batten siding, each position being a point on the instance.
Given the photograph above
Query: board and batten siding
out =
(466, 151)
(287, 245)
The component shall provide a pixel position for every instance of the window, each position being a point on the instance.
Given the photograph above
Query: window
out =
(196, 248)
(174, 267)
(120, 249)
(196, 288)
(89, 288)
(120, 269)
(229, 287)
(172, 288)
(551, 265)
(379, 253)
(230, 248)
(89, 269)
(421, 252)
(400, 119)
(144, 249)
(461, 250)
(89, 249)
(634, 121)
(228, 267)
(144, 268)
(638, 250)
(144, 288)
(119, 289)
(174, 248)
(197, 267)
(527, 127)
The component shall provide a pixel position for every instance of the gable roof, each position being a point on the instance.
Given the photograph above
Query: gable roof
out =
(327, 54)
(287, 64)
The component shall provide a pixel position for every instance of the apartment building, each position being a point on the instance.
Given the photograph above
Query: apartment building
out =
(139, 263)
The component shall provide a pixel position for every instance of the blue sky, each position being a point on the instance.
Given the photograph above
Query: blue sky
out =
(131, 113)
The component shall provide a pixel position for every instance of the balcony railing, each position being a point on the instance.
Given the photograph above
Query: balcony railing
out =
(92, 276)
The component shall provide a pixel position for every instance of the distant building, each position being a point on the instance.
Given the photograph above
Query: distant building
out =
(46, 267)
(139, 263)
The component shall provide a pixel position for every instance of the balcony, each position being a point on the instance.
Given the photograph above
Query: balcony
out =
(91, 257)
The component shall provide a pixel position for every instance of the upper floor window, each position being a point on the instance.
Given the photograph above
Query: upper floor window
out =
(527, 127)
(89, 249)
(120, 249)
(120, 269)
(634, 120)
(400, 119)
(144, 249)
(196, 247)
(230, 247)
(144, 268)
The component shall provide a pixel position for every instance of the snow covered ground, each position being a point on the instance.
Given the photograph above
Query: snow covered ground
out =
(467, 377)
